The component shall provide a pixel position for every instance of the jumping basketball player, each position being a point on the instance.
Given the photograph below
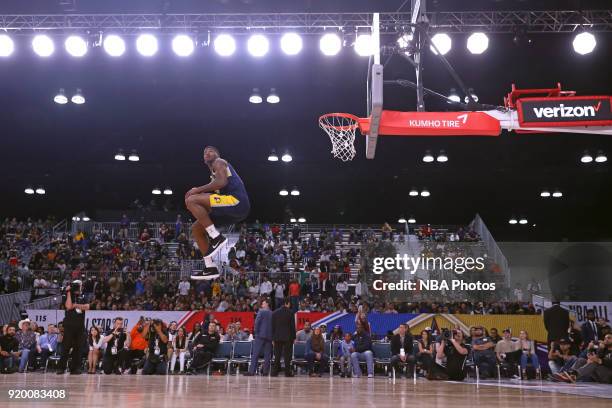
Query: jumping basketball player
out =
(224, 200)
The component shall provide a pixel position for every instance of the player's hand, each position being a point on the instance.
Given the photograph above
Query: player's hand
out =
(192, 191)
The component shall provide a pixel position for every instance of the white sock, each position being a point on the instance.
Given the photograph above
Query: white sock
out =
(208, 261)
(212, 231)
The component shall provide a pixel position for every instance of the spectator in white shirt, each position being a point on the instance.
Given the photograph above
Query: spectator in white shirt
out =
(359, 288)
(265, 288)
(279, 294)
(342, 288)
(183, 287)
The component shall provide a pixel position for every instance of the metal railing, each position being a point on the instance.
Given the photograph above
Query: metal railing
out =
(11, 305)
(493, 249)
(49, 302)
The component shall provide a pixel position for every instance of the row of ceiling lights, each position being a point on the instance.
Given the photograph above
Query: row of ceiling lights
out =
(158, 191)
(133, 156)
(415, 193)
(294, 192)
(257, 98)
(78, 218)
(294, 220)
(410, 220)
(273, 157)
(555, 194)
(441, 158)
(61, 98)
(600, 157)
(39, 190)
(521, 221)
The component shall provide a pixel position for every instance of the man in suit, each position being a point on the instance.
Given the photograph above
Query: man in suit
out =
(556, 322)
(283, 334)
(263, 339)
(589, 330)
(401, 350)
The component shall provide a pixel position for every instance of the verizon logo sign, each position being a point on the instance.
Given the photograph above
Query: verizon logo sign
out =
(563, 111)
(568, 111)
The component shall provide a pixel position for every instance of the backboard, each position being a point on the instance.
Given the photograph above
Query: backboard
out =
(374, 90)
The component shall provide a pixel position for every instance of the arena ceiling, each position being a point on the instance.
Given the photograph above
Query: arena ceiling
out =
(169, 109)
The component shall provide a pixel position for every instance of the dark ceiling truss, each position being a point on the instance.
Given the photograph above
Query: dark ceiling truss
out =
(313, 23)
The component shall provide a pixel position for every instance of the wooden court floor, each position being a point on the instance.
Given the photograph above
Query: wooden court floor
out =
(230, 391)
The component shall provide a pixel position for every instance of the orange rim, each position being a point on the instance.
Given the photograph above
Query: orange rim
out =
(323, 121)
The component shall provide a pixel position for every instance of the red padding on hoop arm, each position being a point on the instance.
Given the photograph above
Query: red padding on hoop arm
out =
(394, 123)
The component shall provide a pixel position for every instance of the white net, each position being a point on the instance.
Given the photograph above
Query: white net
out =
(341, 131)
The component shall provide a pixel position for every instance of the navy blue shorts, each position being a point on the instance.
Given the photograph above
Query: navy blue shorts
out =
(227, 209)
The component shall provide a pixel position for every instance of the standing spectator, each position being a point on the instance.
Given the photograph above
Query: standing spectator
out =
(279, 294)
(94, 341)
(342, 288)
(518, 293)
(401, 350)
(589, 330)
(294, 295)
(283, 334)
(183, 287)
(363, 351)
(263, 339)
(265, 288)
(556, 322)
(178, 225)
(315, 351)
(124, 227)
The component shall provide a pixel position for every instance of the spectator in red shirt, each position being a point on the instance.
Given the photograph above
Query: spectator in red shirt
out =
(294, 295)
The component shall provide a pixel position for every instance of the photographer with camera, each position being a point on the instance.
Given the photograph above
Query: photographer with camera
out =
(157, 337)
(117, 345)
(451, 354)
(74, 328)
(597, 367)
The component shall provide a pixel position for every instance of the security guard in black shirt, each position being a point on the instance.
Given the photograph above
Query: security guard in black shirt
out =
(74, 328)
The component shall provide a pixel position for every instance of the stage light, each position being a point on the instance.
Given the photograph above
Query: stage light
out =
(586, 157)
(442, 157)
(273, 97)
(146, 44)
(411, 220)
(133, 157)
(75, 46)
(183, 45)
(442, 42)
(523, 221)
(474, 96)
(478, 43)
(120, 156)
(291, 43)
(225, 45)
(43, 45)
(283, 192)
(453, 96)
(364, 45)
(114, 45)
(60, 98)
(584, 43)
(425, 193)
(545, 194)
(295, 192)
(255, 96)
(404, 40)
(78, 98)
(292, 220)
(413, 193)
(29, 191)
(512, 221)
(286, 157)
(258, 45)
(557, 194)
(330, 44)
(7, 46)
(41, 191)
(402, 220)
(273, 157)
(167, 191)
(156, 191)
(601, 157)
(301, 219)
(428, 158)
(86, 218)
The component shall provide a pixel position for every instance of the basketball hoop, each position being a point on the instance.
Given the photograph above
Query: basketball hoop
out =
(341, 127)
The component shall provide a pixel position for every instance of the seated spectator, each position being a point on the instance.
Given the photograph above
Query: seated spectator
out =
(179, 349)
(157, 337)
(401, 351)
(560, 356)
(336, 334)
(242, 335)
(94, 343)
(508, 353)
(597, 367)
(204, 348)
(47, 344)
(117, 346)
(9, 351)
(363, 352)
(450, 358)
(528, 353)
(425, 354)
(345, 349)
(484, 354)
(27, 343)
(304, 334)
(493, 334)
(315, 351)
